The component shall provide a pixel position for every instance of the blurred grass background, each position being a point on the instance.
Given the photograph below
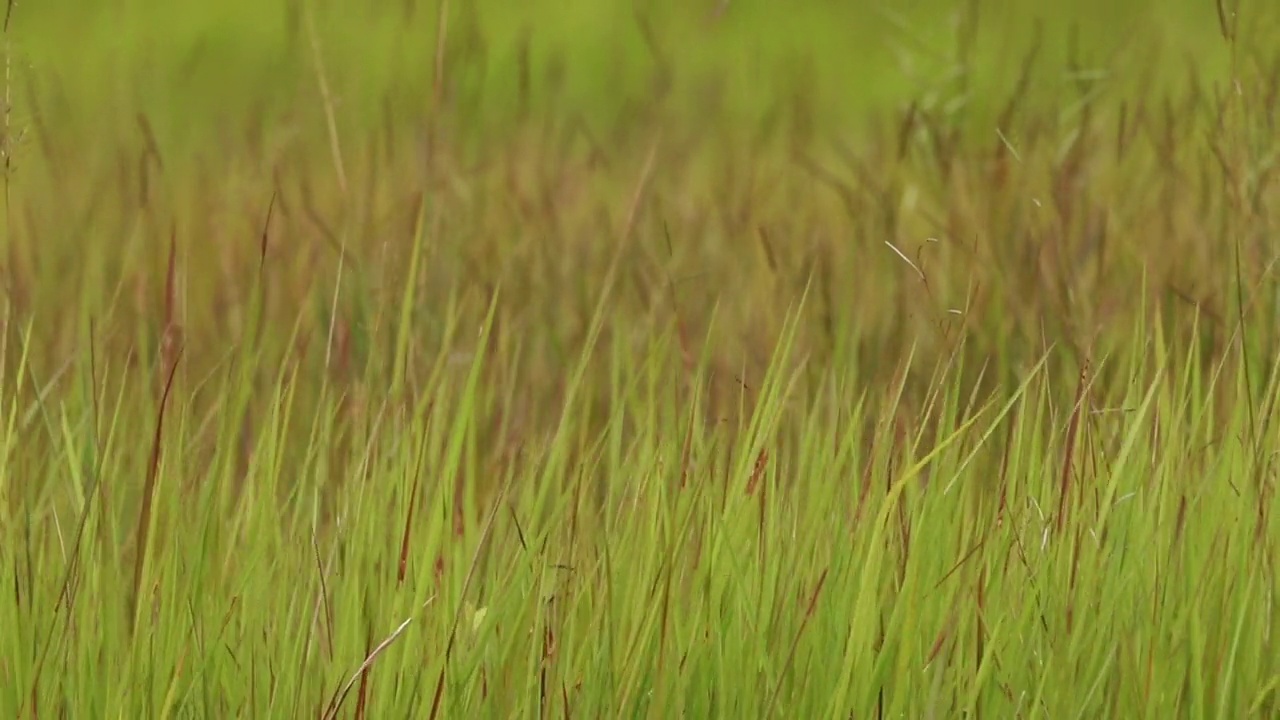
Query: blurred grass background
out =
(769, 142)
(196, 69)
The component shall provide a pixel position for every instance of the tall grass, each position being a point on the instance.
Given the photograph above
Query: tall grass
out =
(679, 411)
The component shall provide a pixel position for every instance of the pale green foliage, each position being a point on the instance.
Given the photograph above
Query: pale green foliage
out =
(667, 412)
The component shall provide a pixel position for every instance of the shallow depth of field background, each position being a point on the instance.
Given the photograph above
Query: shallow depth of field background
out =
(650, 359)
(200, 68)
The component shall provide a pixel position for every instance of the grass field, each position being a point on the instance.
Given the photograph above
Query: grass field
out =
(592, 360)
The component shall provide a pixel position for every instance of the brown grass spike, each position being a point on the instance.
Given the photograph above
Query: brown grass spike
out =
(795, 643)
(148, 493)
(457, 618)
(362, 695)
(1068, 452)
(408, 521)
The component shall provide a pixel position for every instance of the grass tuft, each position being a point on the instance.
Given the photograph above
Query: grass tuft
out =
(469, 360)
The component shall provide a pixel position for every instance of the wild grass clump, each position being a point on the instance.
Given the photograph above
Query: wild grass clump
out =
(690, 411)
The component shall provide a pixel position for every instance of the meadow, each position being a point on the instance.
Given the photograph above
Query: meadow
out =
(653, 359)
